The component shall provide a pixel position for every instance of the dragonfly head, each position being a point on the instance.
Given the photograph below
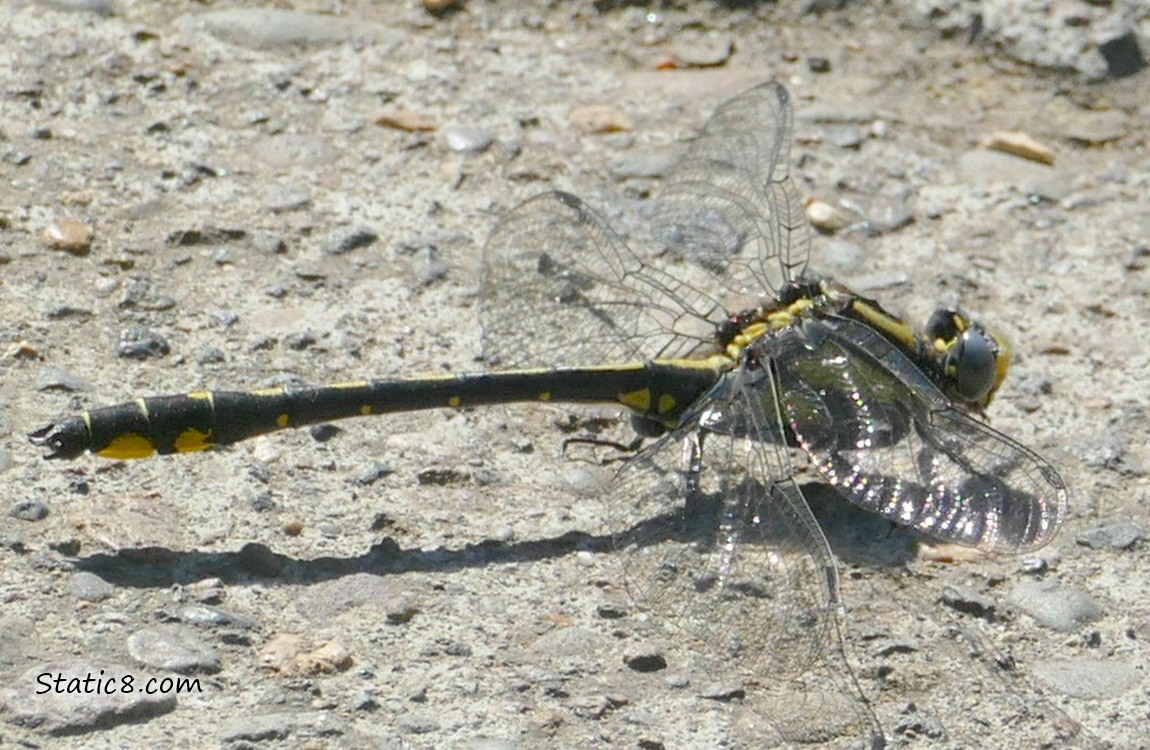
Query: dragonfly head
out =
(973, 360)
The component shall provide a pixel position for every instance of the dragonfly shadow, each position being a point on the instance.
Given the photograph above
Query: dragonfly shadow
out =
(857, 538)
(148, 567)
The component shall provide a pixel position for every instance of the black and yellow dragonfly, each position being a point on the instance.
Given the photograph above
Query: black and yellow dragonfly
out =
(745, 362)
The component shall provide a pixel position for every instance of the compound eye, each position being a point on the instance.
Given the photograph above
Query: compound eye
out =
(974, 362)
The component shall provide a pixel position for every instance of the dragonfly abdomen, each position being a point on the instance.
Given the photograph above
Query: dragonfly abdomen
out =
(202, 419)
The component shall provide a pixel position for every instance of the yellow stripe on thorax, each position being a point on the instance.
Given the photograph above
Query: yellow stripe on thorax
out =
(894, 328)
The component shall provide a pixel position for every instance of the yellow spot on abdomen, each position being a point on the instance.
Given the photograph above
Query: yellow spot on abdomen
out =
(129, 445)
(191, 440)
(455, 402)
(283, 420)
(667, 403)
(365, 410)
(639, 400)
(545, 396)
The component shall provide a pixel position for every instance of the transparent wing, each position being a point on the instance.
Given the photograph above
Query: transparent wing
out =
(890, 442)
(724, 553)
(561, 287)
(731, 205)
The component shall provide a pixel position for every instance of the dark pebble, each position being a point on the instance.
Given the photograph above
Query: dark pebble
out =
(321, 433)
(1123, 55)
(645, 662)
(299, 341)
(211, 355)
(262, 502)
(442, 477)
(364, 703)
(141, 343)
(205, 236)
(892, 646)
(345, 240)
(913, 725)
(818, 65)
(455, 648)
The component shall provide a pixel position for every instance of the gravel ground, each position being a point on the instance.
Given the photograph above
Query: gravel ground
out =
(201, 195)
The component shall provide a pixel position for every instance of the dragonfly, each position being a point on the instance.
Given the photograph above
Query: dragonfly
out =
(744, 369)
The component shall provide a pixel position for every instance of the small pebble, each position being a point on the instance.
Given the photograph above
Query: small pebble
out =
(289, 198)
(1119, 536)
(467, 140)
(599, 118)
(400, 610)
(411, 724)
(428, 267)
(173, 647)
(68, 235)
(825, 217)
(89, 587)
(1059, 608)
(436, 7)
(364, 702)
(322, 433)
(456, 648)
(724, 692)
(819, 64)
(407, 120)
(1020, 144)
(645, 661)
(373, 473)
(889, 647)
(28, 510)
(345, 240)
(141, 343)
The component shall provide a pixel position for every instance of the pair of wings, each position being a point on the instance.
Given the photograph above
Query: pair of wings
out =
(724, 547)
(562, 288)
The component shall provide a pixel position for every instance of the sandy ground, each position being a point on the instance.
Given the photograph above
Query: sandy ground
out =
(220, 166)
